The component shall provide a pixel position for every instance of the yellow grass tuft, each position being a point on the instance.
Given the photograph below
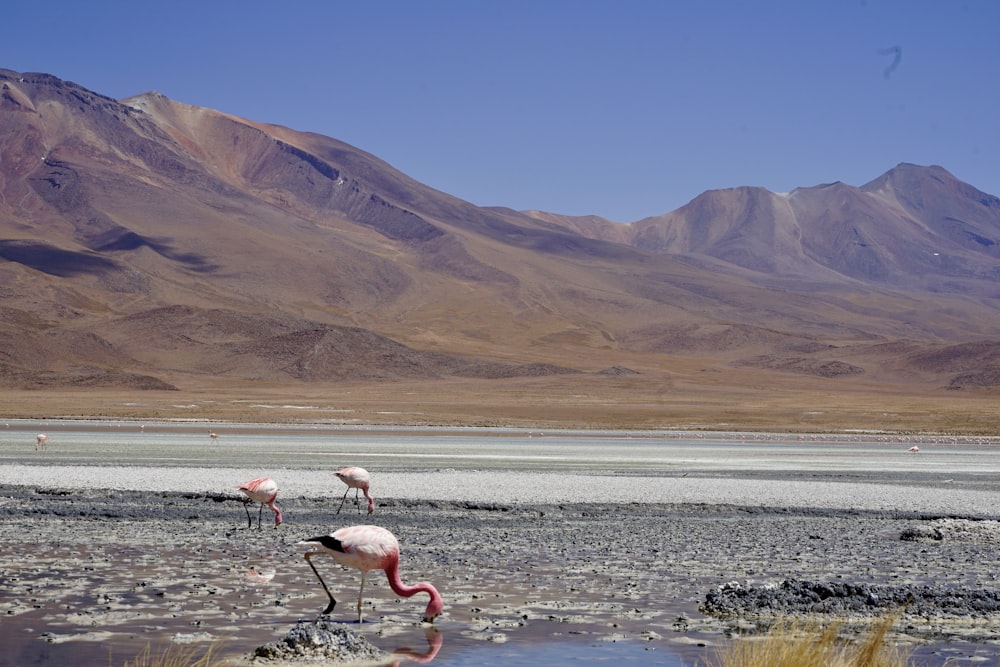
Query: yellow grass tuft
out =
(172, 656)
(810, 645)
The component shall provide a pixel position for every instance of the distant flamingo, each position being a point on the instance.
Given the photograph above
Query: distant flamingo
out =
(369, 548)
(359, 480)
(213, 435)
(40, 440)
(263, 490)
(913, 450)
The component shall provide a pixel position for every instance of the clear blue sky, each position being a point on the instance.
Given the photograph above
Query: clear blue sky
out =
(622, 109)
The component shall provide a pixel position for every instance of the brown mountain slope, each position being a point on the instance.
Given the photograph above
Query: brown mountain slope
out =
(151, 239)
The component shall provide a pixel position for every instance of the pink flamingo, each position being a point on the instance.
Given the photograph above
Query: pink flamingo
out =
(213, 435)
(263, 490)
(40, 440)
(913, 450)
(359, 480)
(369, 548)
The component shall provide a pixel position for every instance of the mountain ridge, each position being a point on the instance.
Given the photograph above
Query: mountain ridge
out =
(119, 220)
(792, 226)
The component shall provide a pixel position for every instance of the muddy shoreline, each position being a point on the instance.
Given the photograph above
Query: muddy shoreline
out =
(547, 547)
(88, 569)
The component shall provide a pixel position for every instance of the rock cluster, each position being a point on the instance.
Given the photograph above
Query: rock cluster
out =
(319, 640)
(794, 597)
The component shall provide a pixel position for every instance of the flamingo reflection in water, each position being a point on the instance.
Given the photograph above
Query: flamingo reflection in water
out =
(434, 642)
(256, 575)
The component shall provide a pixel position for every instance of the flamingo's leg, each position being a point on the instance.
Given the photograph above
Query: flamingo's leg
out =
(333, 602)
(246, 508)
(361, 594)
(342, 500)
(260, 515)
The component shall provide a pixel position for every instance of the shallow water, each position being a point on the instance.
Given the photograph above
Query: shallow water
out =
(109, 595)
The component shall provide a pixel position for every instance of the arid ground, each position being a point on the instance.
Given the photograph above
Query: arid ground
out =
(648, 401)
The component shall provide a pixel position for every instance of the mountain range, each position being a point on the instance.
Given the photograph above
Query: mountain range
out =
(150, 244)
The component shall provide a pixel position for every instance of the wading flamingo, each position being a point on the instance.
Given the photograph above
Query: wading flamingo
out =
(368, 548)
(263, 490)
(913, 450)
(359, 480)
(40, 440)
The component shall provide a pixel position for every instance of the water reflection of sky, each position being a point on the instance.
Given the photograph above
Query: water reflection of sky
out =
(561, 653)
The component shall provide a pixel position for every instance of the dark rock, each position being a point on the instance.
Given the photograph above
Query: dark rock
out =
(796, 597)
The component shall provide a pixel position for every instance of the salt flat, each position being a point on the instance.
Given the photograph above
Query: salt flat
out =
(527, 488)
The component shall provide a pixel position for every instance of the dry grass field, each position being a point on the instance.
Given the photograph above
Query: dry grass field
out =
(646, 401)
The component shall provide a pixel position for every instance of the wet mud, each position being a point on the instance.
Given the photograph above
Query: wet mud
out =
(88, 573)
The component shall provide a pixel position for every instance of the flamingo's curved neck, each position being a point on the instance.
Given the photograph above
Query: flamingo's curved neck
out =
(277, 512)
(399, 588)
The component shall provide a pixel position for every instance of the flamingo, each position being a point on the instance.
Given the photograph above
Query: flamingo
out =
(263, 490)
(40, 440)
(213, 435)
(369, 548)
(359, 480)
(913, 450)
